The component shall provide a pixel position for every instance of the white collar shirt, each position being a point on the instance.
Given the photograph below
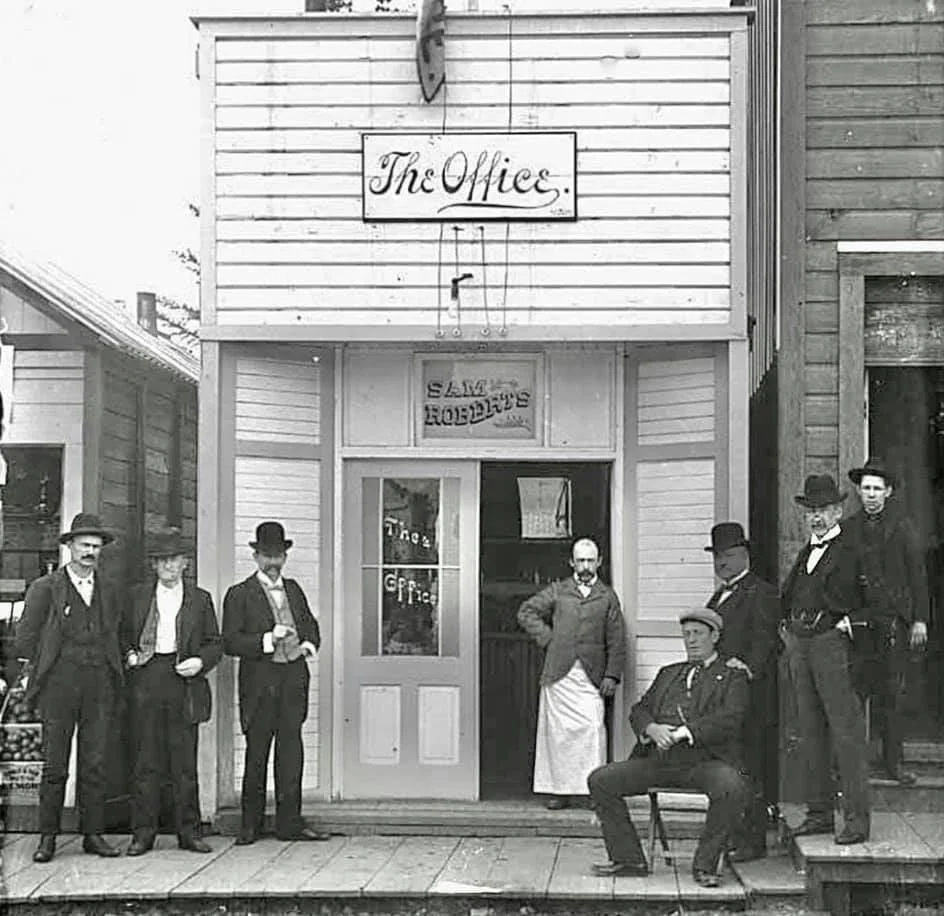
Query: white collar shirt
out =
(169, 601)
(275, 590)
(818, 548)
(691, 671)
(727, 589)
(85, 587)
(585, 588)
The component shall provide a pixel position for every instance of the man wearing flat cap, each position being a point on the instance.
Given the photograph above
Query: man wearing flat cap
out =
(750, 609)
(895, 584)
(689, 724)
(268, 625)
(171, 642)
(68, 638)
(823, 615)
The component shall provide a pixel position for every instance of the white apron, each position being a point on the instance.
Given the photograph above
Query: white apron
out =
(571, 736)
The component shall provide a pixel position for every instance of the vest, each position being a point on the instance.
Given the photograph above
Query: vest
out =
(286, 650)
(82, 628)
(676, 704)
(809, 610)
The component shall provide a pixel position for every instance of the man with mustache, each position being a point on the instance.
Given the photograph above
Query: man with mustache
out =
(268, 625)
(68, 638)
(579, 623)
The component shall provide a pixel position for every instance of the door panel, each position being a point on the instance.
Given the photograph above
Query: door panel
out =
(410, 708)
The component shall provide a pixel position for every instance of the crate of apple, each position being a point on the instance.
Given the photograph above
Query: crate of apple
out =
(21, 743)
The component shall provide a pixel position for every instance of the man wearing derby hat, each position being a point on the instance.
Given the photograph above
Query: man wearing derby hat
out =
(823, 614)
(689, 724)
(268, 625)
(895, 584)
(750, 608)
(68, 638)
(171, 641)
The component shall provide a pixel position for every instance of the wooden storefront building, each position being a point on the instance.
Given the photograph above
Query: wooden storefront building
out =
(435, 395)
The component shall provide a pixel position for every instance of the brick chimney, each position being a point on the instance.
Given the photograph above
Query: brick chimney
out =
(147, 311)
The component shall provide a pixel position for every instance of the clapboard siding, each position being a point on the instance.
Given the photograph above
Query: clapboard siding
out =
(47, 396)
(22, 318)
(654, 156)
(676, 402)
(278, 401)
(653, 653)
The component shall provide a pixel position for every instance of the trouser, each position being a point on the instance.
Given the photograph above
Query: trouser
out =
(75, 696)
(278, 716)
(886, 685)
(752, 829)
(165, 749)
(725, 787)
(831, 725)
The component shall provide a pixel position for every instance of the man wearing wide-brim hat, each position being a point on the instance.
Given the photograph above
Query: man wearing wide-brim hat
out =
(171, 642)
(823, 615)
(68, 639)
(895, 584)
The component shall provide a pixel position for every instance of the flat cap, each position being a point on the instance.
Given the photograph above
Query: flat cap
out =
(703, 615)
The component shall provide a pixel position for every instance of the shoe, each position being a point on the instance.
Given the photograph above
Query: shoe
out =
(139, 846)
(304, 835)
(621, 870)
(245, 837)
(706, 878)
(557, 803)
(46, 848)
(812, 825)
(747, 853)
(96, 845)
(193, 844)
(850, 837)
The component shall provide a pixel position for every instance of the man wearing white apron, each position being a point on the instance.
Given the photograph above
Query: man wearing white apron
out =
(579, 623)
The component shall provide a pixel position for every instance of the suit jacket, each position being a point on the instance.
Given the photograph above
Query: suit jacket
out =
(750, 614)
(197, 635)
(39, 631)
(571, 627)
(716, 716)
(247, 615)
(839, 566)
(902, 586)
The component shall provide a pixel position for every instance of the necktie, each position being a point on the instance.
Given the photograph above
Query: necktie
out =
(694, 675)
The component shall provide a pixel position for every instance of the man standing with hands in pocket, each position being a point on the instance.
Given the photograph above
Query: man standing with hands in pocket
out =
(268, 625)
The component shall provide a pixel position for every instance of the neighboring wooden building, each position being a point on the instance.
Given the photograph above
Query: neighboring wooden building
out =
(432, 440)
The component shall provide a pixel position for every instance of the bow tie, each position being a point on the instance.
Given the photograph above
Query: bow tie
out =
(820, 545)
(276, 587)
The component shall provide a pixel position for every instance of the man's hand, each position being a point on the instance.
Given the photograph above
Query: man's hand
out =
(308, 647)
(736, 663)
(608, 687)
(189, 666)
(919, 634)
(845, 626)
(131, 659)
(280, 631)
(661, 735)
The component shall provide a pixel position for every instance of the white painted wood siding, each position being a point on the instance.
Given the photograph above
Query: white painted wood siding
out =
(677, 401)
(652, 115)
(278, 401)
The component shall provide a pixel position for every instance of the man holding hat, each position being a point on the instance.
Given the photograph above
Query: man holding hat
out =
(750, 609)
(689, 724)
(895, 584)
(171, 642)
(268, 625)
(68, 639)
(823, 614)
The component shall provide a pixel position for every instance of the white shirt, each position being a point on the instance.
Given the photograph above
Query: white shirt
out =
(585, 588)
(168, 602)
(818, 547)
(727, 589)
(275, 589)
(85, 587)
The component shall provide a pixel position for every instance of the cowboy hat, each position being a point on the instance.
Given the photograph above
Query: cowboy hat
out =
(726, 535)
(873, 466)
(270, 535)
(86, 524)
(820, 490)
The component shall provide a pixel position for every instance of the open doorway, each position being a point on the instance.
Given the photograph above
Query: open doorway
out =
(531, 512)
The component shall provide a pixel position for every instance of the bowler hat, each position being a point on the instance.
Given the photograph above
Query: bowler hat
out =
(270, 535)
(168, 542)
(726, 535)
(873, 466)
(820, 490)
(85, 523)
(703, 615)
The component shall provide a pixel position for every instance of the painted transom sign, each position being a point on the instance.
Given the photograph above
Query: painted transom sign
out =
(410, 567)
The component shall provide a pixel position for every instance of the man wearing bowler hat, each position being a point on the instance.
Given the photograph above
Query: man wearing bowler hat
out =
(68, 640)
(895, 585)
(823, 615)
(750, 609)
(268, 625)
(171, 642)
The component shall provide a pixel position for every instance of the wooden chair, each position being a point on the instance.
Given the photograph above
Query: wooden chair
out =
(657, 825)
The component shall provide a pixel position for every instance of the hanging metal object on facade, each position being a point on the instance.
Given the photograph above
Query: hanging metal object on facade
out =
(431, 47)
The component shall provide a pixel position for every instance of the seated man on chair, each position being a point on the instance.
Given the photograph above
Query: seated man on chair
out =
(689, 724)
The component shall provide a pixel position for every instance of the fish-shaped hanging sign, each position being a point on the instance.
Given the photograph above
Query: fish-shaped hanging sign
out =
(431, 46)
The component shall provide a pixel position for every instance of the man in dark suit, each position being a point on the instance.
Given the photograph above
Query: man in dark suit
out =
(689, 724)
(895, 585)
(823, 615)
(171, 642)
(68, 638)
(750, 609)
(268, 625)
(579, 623)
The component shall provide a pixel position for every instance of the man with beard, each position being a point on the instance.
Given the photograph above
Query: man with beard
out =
(68, 638)
(268, 625)
(579, 623)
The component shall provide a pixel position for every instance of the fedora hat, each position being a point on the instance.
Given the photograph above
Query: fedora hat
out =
(86, 523)
(270, 534)
(820, 490)
(873, 466)
(168, 542)
(703, 615)
(726, 535)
